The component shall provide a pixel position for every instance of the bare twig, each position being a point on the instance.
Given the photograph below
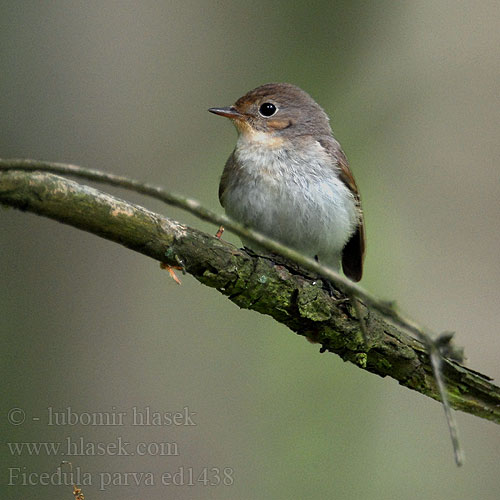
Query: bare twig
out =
(194, 207)
(436, 361)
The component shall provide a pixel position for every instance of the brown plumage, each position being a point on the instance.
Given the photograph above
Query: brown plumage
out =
(285, 177)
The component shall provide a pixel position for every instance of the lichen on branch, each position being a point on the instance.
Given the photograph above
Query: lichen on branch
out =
(267, 284)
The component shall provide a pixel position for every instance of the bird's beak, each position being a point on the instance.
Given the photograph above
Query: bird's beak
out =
(228, 112)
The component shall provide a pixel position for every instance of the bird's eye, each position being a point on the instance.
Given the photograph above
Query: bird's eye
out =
(267, 109)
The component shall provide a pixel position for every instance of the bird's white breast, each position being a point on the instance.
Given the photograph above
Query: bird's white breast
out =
(292, 194)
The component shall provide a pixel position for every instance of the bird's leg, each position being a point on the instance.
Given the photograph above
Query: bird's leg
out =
(357, 308)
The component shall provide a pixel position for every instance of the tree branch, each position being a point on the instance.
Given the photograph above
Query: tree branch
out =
(280, 290)
(387, 308)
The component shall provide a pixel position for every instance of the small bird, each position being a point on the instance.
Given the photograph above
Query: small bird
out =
(289, 179)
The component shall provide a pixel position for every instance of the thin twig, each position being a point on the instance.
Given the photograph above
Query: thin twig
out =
(437, 362)
(385, 308)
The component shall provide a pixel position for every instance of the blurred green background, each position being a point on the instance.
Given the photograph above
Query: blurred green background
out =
(121, 86)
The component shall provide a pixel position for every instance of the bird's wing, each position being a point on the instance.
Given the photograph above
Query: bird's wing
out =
(354, 252)
(229, 169)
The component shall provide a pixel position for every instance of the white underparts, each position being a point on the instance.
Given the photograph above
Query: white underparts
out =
(292, 194)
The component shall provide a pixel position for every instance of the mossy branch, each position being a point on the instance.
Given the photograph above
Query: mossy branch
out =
(281, 290)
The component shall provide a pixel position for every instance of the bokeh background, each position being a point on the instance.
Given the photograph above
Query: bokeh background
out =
(412, 91)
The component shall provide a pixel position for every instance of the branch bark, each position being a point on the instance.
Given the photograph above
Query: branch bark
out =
(265, 284)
